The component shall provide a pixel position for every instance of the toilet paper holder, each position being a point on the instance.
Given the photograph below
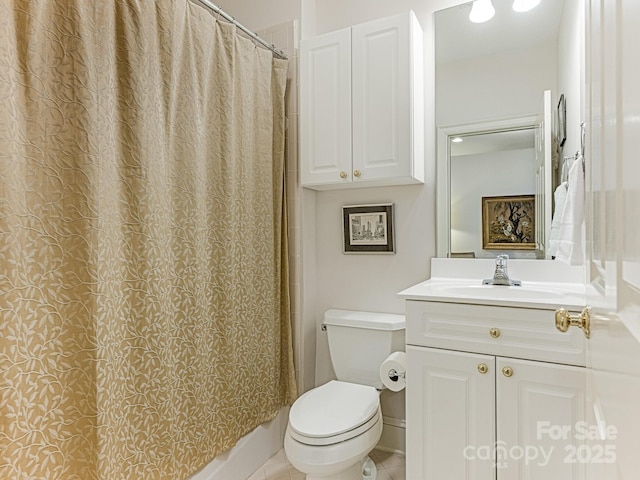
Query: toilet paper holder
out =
(394, 375)
(393, 371)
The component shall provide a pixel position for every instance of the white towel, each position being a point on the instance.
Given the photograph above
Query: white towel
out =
(560, 197)
(571, 237)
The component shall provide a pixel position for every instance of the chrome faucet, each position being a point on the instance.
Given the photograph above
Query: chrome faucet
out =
(501, 276)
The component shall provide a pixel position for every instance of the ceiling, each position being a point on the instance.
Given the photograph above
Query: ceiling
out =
(494, 142)
(457, 38)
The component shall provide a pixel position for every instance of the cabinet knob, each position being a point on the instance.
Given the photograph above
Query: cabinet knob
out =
(564, 320)
(507, 371)
(483, 368)
(343, 174)
(356, 173)
(494, 332)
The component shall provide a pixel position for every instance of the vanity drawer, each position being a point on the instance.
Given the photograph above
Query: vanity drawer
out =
(505, 331)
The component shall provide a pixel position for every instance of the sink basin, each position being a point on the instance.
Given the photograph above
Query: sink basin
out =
(498, 292)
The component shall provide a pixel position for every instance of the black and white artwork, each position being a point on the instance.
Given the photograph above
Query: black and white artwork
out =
(368, 228)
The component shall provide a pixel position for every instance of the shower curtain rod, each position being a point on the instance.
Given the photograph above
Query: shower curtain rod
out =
(253, 35)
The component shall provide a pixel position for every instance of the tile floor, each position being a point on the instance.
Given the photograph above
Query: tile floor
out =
(391, 466)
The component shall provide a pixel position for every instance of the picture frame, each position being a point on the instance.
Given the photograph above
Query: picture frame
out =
(508, 222)
(368, 228)
(562, 121)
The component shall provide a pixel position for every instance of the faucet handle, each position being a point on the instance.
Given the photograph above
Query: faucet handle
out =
(501, 259)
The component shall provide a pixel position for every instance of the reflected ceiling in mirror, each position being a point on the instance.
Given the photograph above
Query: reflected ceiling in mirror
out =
(457, 38)
(475, 144)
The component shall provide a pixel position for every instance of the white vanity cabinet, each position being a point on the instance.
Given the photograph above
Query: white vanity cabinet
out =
(361, 106)
(493, 393)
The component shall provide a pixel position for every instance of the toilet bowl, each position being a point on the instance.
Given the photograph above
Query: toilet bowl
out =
(333, 427)
(331, 430)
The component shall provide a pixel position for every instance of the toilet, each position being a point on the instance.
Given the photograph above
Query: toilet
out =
(333, 427)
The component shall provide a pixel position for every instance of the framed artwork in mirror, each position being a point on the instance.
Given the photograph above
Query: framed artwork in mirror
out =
(368, 228)
(508, 223)
(562, 121)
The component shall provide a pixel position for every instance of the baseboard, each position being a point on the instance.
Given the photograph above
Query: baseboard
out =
(249, 454)
(393, 436)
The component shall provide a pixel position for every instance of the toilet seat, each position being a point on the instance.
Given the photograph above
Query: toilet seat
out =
(334, 412)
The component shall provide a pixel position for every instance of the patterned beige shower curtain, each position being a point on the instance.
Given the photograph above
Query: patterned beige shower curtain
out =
(144, 310)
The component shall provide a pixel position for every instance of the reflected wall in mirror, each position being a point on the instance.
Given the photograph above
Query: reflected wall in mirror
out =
(495, 73)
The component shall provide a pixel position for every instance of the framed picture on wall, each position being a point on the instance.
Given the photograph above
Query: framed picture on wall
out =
(368, 228)
(562, 121)
(508, 223)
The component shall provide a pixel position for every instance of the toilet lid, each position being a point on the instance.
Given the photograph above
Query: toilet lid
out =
(334, 408)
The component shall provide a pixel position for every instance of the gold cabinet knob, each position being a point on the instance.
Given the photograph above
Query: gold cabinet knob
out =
(494, 332)
(356, 173)
(564, 320)
(507, 371)
(343, 174)
(483, 368)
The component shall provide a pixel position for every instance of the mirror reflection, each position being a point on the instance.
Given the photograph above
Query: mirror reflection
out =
(491, 77)
(490, 164)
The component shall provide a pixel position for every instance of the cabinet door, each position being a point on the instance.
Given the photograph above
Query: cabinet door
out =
(383, 135)
(325, 109)
(540, 407)
(451, 415)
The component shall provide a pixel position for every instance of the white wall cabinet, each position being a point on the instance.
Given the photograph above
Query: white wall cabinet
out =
(480, 416)
(362, 106)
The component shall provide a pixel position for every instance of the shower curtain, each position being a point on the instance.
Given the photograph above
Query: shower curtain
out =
(144, 309)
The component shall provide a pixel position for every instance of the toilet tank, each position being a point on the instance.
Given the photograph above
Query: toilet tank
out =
(360, 341)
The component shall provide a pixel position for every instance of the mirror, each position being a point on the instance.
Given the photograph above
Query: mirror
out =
(491, 78)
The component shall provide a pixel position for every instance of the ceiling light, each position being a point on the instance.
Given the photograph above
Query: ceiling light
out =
(525, 5)
(481, 11)
(456, 139)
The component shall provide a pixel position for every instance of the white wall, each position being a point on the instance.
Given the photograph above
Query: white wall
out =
(370, 282)
(260, 14)
(571, 79)
(510, 172)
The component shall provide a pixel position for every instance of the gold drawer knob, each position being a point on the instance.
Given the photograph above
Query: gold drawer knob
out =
(356, 173)
(483, 368)
(507, 371)
(343, 174)
(494, 332)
